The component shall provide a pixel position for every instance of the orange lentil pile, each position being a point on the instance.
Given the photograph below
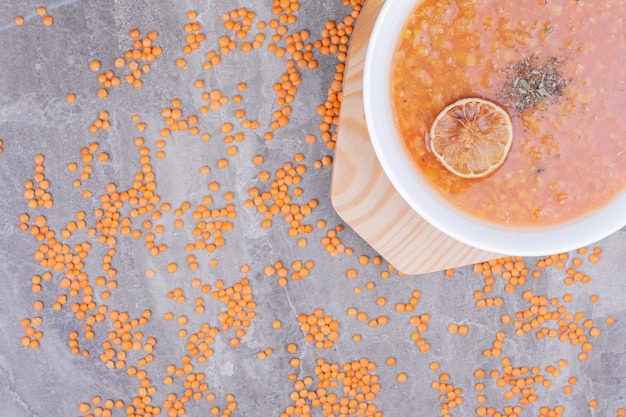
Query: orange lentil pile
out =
(319, 328)
(454, 328)
(410, 305)
(102, 122)
(194, 37)
(511, 270)
(32, 335)
(241, 307)
(239, 21)
(348, 389)
(210, 226)
(141, 257)
(570, 327)
(174, 121)
(450, 396)
(278, 200)
(36, 191)
(332, 242)
(496, 348)
(299, 270)
(87, 157)
(421, 326)
(136, 61)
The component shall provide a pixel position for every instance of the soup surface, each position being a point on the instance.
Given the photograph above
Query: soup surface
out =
(556, 66)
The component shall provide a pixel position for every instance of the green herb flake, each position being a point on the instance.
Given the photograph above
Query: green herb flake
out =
(533, 84)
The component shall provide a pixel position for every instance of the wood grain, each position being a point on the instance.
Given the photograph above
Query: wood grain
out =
(362, 194)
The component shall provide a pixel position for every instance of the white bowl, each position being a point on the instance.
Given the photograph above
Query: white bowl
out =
(412, 186)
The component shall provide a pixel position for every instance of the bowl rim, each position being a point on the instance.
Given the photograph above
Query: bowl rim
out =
(422, 198)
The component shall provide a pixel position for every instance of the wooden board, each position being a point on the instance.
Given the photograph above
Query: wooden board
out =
(362, 194)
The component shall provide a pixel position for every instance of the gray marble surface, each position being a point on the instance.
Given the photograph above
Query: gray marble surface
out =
(40, 65)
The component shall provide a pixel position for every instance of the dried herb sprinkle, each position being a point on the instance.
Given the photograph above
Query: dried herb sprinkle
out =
(532, 84)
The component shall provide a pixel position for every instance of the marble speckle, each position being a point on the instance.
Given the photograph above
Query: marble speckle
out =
(227, 369)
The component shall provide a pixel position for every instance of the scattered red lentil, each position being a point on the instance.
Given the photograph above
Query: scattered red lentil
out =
(319, 329)
(421, 325)
(349, 389)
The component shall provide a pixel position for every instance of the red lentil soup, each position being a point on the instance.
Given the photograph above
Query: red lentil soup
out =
(556, 66)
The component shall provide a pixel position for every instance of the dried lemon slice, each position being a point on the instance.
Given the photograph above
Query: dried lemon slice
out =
(472, 137)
